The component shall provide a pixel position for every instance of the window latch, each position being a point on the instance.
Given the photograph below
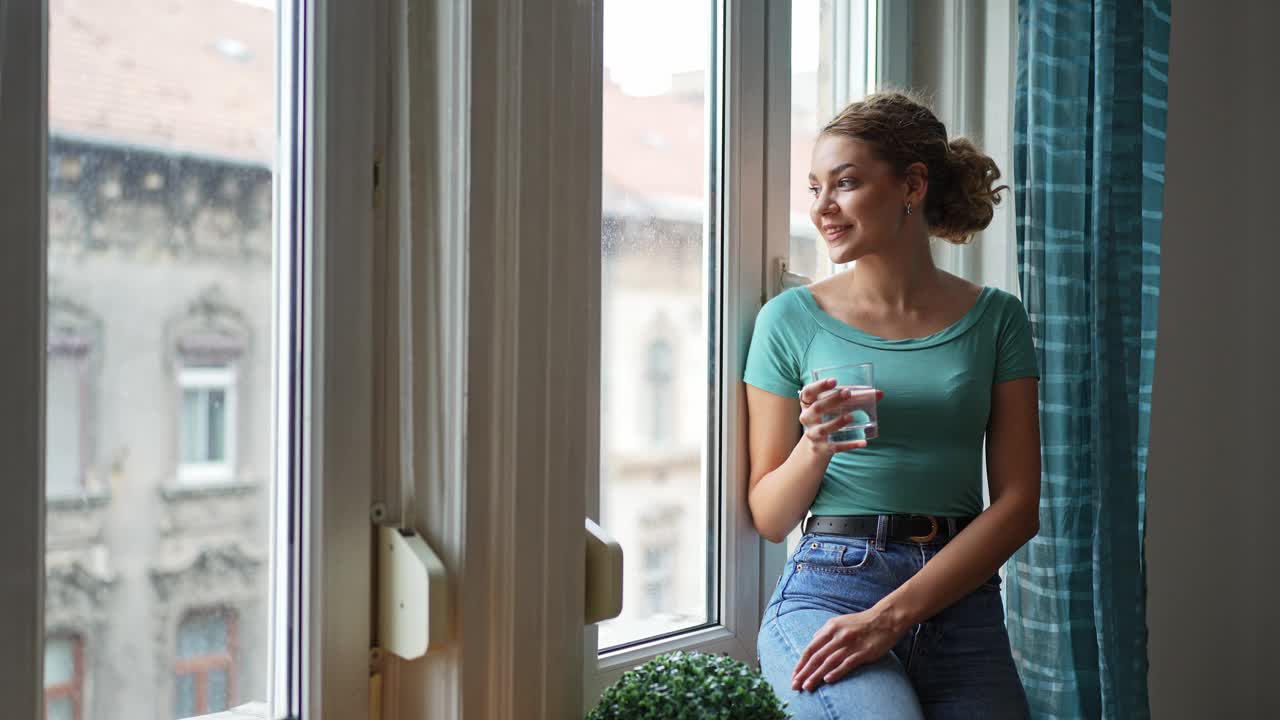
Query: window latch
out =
(604, 575)
(413, 610)
(784, 279)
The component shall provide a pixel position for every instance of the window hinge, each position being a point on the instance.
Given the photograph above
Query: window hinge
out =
(375, 683)
(378, 182)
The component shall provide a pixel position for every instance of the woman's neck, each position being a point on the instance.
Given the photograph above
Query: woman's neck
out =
(902, 280)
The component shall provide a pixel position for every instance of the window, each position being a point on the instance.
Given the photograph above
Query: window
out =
(153, 150)
(706, 152)
(658, 376)
(659, 179)
(65, 433)
(162, 259)
(206, 668)
(63, 677)
(73, 336)
(207, 428)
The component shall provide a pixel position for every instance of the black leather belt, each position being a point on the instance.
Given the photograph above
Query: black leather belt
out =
(912, 528)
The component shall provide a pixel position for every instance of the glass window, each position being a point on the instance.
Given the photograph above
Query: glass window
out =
(660, 168)
(206, 662)
(65, 390)
(62, 677)
(162, 259)
(207, 422)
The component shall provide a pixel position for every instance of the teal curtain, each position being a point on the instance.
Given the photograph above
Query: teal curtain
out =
(1089, 121)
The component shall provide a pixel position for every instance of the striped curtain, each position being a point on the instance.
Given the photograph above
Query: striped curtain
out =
(1089, 171)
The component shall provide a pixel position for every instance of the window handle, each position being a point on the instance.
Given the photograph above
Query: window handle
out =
(413, 599)
(784, 279)
(604, 575)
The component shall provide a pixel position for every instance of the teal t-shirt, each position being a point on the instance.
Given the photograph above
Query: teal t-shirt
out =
(937, 399)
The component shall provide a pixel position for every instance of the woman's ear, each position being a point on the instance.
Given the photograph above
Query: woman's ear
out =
(917, 182)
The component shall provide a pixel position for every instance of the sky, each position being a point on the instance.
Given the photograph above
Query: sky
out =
(647, 41)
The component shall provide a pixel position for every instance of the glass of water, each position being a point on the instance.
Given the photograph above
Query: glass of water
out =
(859, 378)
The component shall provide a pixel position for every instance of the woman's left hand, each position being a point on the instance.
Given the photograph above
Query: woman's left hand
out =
(844, 643)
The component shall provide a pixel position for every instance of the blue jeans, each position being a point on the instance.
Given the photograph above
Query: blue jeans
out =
(954, 666)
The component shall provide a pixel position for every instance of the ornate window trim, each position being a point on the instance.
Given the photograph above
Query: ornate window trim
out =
(76, 598)
(205, 345)
(210, 333)
(200, 667)
(224, 575)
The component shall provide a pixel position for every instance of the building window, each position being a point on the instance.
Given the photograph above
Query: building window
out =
(206, 423)
(74, 333)
(63, 677)
(64, 423)
(659, 578)
(205, 671)
(658, 375)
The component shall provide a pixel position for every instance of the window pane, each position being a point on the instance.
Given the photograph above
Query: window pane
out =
(59, 661)
(202, 634)
(658, 171)
(216, 424)
(61, 709)
(218, 695)
(161, 262)
(193, 418)
(186, 697)
(63, 416)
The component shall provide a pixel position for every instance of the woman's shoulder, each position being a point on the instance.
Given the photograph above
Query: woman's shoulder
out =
(789, 302)
(787, 313)
(1004, 313)
(1005, 301)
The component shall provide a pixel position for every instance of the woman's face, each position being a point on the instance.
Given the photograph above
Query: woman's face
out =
(859, 203)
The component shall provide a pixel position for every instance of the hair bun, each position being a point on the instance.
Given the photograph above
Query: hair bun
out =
(968, 198)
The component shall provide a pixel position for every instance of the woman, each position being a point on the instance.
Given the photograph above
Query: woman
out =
(890, 607)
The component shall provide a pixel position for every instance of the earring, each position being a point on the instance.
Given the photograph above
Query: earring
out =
(908, 208)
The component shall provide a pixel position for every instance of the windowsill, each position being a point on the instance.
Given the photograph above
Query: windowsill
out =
(86, 500)
(75, 521)
(190, 489)
(248, 711)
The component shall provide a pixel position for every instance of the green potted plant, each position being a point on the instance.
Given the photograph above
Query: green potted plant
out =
(690, 686)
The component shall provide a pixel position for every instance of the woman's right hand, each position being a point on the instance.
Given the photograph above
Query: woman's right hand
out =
(817, 400)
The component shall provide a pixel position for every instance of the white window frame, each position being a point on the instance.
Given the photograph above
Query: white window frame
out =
(334, 446)
(742, 28)
(490, 251)
(210, 378)
(487, 77)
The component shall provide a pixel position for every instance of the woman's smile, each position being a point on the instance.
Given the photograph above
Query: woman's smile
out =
(833, 231)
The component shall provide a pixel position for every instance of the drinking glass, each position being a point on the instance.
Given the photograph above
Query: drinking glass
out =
(859, 378)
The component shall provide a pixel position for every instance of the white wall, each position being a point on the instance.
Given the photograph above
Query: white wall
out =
(1214, 479)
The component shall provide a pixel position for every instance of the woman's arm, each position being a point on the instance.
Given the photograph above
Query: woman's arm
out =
(1013, 477)
(786, 464)
(973, 556)
(785, 472)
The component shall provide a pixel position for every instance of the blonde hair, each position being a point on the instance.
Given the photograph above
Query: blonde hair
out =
(961, 198)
